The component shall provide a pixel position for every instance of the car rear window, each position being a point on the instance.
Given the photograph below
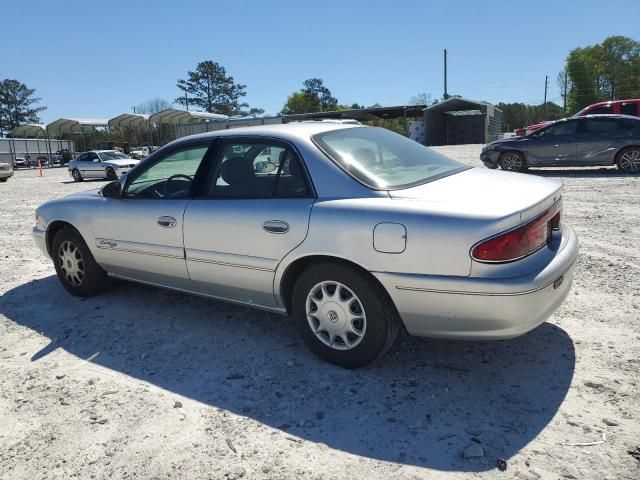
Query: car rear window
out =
(384, 160)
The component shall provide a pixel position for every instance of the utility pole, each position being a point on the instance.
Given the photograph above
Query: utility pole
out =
(564, 105)
(544, 105)
(134, 109)
(446, 95)
(186, 99)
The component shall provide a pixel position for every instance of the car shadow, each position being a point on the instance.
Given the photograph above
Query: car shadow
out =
(582, 172)
(422, 404)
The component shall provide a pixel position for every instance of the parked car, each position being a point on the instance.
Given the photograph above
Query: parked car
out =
(6, 171)
(20, 162)
(33, 162)
(62, 157)
(109, 164)
(592, 140)
(140, 152)
(357, 233)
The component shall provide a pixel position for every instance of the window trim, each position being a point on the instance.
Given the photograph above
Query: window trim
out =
(163, 153)
(212, 164)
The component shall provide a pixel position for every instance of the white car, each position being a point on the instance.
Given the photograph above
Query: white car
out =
(140, 152)
(109, 164)
(6, 171)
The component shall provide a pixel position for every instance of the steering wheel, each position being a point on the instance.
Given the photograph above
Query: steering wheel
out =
(163, 190)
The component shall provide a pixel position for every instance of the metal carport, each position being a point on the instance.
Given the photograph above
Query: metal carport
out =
(75, 125)
(31, 130)
(175, 117)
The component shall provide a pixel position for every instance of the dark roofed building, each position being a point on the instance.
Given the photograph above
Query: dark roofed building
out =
(458, 121)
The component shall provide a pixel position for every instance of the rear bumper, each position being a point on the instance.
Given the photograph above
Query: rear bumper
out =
(483, 308)
(6, 173)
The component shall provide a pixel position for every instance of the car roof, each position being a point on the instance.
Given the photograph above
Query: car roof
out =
(611, 102)
(287, 131)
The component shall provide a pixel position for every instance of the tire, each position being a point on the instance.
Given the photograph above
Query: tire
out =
(111, 174)
(512, 161)
(75, 173)
(3, 180)
(628, 160)
(77, 270)
(378, 322)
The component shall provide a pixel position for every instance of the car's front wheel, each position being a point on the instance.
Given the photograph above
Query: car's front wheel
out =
(512, 162)
(111, 174)
(629, 160)
(77, 270)
(75, 173)
(343, 315)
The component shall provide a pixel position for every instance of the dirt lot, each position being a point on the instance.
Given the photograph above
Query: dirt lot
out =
(144, 383)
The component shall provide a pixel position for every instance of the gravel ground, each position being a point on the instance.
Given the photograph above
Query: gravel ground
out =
(145, 383)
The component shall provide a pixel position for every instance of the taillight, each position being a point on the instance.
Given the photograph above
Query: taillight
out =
(520, 242)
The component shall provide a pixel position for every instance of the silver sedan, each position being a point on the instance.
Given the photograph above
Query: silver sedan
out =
(355, 232)
(101, 164)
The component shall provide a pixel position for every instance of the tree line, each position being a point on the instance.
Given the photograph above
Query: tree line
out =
(606, 71)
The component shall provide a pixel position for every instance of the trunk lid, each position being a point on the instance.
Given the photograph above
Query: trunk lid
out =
(513, 198)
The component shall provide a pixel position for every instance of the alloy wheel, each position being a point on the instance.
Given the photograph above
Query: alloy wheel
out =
(511, 161)
(630, 161)
(335, 315)
(71, 263)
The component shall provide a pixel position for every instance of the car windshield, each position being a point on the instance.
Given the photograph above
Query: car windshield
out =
(112, 155)
(385, 160)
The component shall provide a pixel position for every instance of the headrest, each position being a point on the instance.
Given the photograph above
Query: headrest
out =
(237, 170)
(365, 156)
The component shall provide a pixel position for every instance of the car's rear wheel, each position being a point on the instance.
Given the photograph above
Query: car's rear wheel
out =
(111, 174)
(3, 180)
(629, 160)
(75, 173)
(512, 161)
(77, 270)
(343, 315)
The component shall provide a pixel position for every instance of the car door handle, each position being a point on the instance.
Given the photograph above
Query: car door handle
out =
(167, 222)
(275, 226)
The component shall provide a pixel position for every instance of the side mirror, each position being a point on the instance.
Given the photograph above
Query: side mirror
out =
(112, 190)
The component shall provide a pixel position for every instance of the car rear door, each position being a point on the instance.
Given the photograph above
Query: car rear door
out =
(598, 140)
(252, 209)
(553, 145)
(139, 236)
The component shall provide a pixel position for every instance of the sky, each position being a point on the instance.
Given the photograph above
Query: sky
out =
(97, 59)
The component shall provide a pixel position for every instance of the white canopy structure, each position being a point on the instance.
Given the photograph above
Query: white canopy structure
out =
(185, 117)
(31, 130)
(129, 120)
(75, 125)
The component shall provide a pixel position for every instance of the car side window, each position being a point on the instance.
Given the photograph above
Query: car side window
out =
(630, 109)
(170, 177)
(562, 128)
(260, 169)
(93, 157)
(602, 125)
(82, 158)
(602, 110)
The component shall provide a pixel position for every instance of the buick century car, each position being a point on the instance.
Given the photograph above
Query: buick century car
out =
(109, 164)
(355, 232)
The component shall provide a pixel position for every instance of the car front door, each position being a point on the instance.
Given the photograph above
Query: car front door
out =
(139, 236)
(92, 168)
(598, 140)
(81, 163)
(251, 211)
(553, 145)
